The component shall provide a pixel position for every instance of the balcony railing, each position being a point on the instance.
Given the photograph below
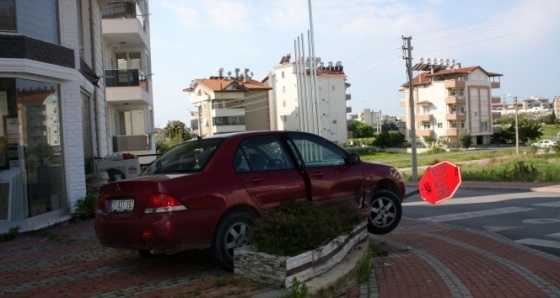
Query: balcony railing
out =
(125, 78)
(131, 143)
(424, 117)
(122, 10)
(454, 116)
(455, 100)
(454, 84)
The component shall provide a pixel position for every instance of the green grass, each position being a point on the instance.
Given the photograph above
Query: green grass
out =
(550, 131)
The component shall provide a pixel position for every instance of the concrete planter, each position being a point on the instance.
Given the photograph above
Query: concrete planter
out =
(281, 270)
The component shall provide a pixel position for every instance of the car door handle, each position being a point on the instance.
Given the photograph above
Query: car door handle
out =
(318, 174)
(254, 180)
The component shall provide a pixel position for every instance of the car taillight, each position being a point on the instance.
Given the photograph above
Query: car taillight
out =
(163, 203)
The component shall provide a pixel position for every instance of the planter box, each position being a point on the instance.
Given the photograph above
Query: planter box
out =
(281, 270)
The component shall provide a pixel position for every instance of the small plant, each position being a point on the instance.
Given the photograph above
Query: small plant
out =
(10, 235)
(364, 270)
(297, 290)
(298, 226)
(524, 173)
(85, 207)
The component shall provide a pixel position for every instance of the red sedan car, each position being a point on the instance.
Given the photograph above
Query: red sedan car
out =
(206, 192)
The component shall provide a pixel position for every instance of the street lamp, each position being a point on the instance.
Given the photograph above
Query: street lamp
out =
(516, 127)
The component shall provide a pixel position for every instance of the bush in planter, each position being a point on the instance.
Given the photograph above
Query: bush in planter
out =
(298, 226)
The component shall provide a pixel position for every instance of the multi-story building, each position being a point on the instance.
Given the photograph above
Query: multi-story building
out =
(52, 107)
(556, 106)
(291, 109)
(128, 78)
(229, 103)
(451, 99)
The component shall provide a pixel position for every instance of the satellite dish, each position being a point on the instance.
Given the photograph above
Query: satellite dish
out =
(251, 73)
(229, 73)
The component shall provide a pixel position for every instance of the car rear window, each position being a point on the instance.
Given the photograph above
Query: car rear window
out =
(190, 156)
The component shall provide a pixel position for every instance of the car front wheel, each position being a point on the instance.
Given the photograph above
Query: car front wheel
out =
(233, 231)
(385, 212)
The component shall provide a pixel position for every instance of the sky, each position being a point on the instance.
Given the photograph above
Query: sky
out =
(192, 39)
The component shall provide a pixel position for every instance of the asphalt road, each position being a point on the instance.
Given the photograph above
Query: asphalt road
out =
(529, 218)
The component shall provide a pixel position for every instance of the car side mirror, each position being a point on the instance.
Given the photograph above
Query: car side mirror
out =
(354, 158)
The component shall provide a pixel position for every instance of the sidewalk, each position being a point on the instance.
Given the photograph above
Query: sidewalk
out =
(418, 259)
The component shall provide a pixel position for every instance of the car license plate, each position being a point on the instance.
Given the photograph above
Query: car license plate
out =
(121, 205)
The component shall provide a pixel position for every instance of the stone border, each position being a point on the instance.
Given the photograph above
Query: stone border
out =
(281, 270)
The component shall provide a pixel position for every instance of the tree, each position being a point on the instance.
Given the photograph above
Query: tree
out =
(360, 130)
(465, 139)
(390, 139)
(430, 141)
(175, 132)
(527, 130)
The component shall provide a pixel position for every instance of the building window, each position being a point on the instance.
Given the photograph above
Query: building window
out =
(453, 124)
(332, 87)
(451, 92)
(461, 92)
(284, 103)
(426, 110)
(426, 125)
(452, 109)
(462, 110)
(282, 74)
(33, 18)
(462, 124)
(283, 89)
(439, 125)
(30, 142)
(8, 13)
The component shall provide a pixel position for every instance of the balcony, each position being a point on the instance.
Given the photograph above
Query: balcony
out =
(348, 96)
(126, 86)
(452, 132)
(424, 132)
(454, 116)
(455, 100)
(122, 25)
(494, 85)
(454, 84)
(496, 99)
(348, 110)
(131, 143)
(219, 129)
(424, 117)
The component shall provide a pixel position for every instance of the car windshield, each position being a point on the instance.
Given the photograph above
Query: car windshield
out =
(187, 157)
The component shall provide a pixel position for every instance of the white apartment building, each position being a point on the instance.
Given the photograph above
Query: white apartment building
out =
(231, 102)
(52, 107)
(450, 99)
(128, 78)
(290, 108)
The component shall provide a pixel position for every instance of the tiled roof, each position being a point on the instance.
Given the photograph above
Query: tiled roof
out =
(424, 78)
(222, 84)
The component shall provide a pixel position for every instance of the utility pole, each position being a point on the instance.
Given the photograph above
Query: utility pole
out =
(407, 56)
(516, 127)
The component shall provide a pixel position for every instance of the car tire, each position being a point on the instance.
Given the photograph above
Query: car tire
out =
(146, 253)
(232, 231)
(385, 212)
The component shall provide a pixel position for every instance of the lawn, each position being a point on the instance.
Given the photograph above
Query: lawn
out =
(482, 165)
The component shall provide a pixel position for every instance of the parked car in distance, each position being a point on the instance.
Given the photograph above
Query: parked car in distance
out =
(544, 143)
(207, 192)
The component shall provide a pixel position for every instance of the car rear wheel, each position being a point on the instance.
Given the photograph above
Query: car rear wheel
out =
(385, 212)
(233, 231)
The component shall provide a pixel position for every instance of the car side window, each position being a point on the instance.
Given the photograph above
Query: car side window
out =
(318, 152)
(262, 153)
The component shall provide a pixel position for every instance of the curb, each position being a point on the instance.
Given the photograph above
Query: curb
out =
(337, 281)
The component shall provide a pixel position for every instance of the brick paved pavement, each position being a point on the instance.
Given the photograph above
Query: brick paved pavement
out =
(424, 260)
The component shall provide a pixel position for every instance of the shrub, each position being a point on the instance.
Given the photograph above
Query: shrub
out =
(85, 207)
(10, 235)
(298, 226)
